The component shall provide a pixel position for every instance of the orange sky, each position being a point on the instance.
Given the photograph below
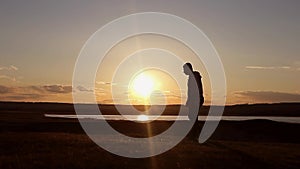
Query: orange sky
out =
(258, 44)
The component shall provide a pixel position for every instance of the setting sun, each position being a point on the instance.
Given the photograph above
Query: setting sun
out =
(152, 86)
(143, 85)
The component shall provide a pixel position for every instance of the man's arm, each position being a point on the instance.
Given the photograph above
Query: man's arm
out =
(187, 102)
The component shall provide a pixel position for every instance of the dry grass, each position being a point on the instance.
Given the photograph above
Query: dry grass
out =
(28, 140)
(71, 150)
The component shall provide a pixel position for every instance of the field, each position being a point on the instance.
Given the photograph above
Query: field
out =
(29, 140)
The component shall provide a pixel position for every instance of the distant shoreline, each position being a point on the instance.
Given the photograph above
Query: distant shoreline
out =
(65, 103)
(295, 120)
(275, 109)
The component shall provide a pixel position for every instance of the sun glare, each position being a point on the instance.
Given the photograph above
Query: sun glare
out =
(142, 118)
(143, 85)
(152, 86)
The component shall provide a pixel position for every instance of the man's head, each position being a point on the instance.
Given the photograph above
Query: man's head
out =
(187, 68)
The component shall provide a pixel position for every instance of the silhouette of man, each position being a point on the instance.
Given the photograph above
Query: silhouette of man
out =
(195, 98)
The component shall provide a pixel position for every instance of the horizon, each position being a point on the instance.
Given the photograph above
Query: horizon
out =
(204, 105)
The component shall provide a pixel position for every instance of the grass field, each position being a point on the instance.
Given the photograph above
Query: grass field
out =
(29, 140)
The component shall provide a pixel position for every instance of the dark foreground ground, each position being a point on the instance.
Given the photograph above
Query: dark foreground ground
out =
(29, 140)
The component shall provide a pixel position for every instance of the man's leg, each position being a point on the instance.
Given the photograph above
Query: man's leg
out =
(196, 129)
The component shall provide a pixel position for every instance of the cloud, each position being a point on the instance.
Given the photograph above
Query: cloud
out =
(58, 88)
(268, 67)
(24, 96)
(83, 89)
(268, 96)
(8, 78)
(39, 89)
(12, 67)
(4, 89)
(105, 83)
(17, 93)
(35, 92)
(9, 68)
(284, 67)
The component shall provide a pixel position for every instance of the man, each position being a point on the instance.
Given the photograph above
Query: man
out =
(195, 98)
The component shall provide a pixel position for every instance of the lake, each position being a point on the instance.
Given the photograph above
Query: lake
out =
(146, 118)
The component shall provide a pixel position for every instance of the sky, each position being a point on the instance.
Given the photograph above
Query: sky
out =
(258, 43)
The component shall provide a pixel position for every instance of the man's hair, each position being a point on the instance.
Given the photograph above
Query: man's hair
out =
(189, 65)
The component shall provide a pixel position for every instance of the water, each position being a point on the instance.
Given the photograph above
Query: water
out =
(146, 118)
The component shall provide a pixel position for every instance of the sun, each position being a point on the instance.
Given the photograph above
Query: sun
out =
(143, 85)
(152, 87)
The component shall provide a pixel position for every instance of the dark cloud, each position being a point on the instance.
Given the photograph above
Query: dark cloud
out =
(36, 88)
(34, 93)
(58, 88)
(4, 89)
(24, 96)
(268, 96)
(83, 89)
